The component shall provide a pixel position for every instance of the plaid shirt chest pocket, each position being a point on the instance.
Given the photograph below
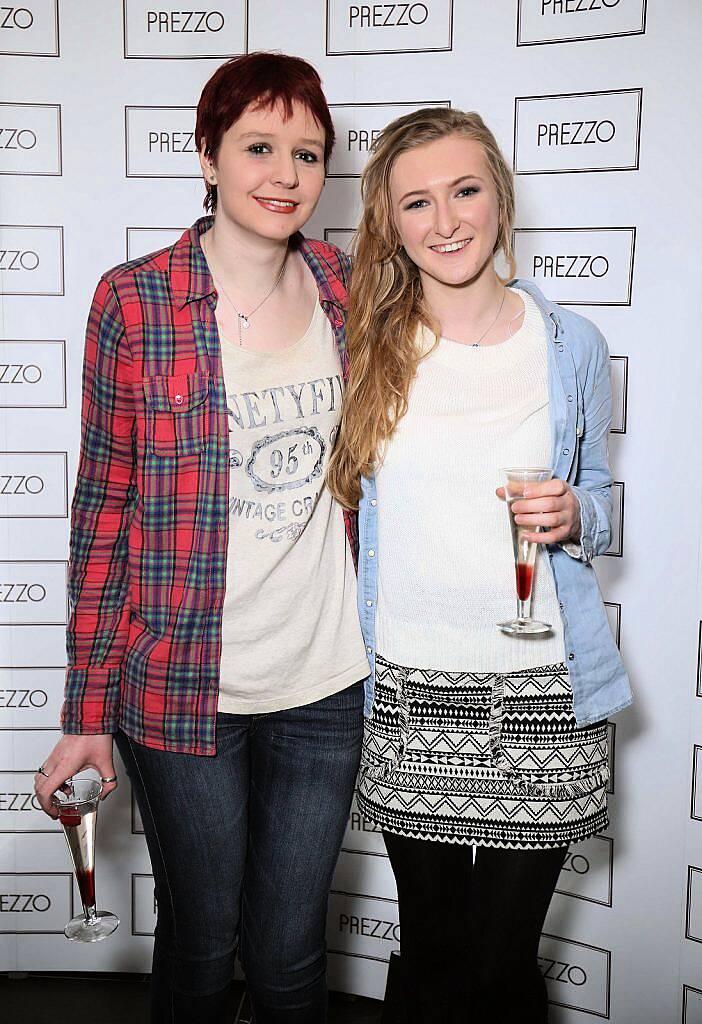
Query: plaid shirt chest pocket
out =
(178, 413)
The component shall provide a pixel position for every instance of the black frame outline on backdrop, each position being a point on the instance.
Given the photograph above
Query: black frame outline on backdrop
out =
(609, 230)
(41, 227)
(138, 874)
(59, 139)
(608, 902)
(37, 341)
(4, 707)
(618, 551)
(183, 56)
(624, 360)
(153, 227)
(608, 958)
(693, 788)
(577, 39)
(363, 53)
(328, 239)
(43, 874)
(617, 605)
(685, 990)
(64, 514)
(148, 177)
(573, 95)
(29, 831)
(698, 689)
(691, 869)
(414, 104)
(57, 34)
(38, 561)
(134, 808)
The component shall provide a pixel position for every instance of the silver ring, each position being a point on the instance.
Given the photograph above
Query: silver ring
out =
(111, 778)
(40, 771)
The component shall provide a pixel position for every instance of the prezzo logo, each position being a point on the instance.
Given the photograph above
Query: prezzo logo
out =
(564, 21)
(692, 1005)
(30, 699)
(144, 906)
(160, 142)
(30, 138)
(588, 870)
(341, 237)
(32, 375)
(693, 917)
(20, 811)
(33, 594)
(33, 485)
(584, 131)
(358, 125)
(34, 903)
(31, 259)
(168, 30)
(616, 547)
(414, 27)
(362, 835)
(141, 241)
(30, 28)
(362, 926)
(579, 266)
(578, 976)
(619, 375)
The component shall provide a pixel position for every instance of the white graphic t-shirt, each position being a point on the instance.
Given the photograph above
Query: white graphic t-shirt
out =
(290, 629)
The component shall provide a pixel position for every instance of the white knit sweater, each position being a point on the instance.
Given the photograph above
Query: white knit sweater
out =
(446, 565)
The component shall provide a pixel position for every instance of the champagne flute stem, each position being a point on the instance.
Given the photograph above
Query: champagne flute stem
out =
(90, 914)
(523, 608)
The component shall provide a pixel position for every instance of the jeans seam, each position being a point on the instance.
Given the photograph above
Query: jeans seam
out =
(160, 850)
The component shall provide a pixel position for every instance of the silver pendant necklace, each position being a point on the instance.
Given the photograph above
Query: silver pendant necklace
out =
(243, 320)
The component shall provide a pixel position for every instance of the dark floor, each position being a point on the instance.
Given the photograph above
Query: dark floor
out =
(115, 999)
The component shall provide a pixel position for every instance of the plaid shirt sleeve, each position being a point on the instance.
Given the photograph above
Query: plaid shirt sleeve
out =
(101, 513)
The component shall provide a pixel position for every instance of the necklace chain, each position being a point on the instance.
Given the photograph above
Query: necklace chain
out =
(474, 344)
(243, 319)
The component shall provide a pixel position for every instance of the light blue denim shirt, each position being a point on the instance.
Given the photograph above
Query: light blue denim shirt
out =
(580, 414)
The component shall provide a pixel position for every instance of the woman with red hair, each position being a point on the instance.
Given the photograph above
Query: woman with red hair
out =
(213, 629)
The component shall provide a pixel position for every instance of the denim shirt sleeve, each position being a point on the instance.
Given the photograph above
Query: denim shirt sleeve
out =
(593, 480)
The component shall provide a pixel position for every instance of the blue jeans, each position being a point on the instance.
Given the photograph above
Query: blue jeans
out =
(243, 847)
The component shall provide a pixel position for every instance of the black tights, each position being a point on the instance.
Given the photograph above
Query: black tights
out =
(470, 930)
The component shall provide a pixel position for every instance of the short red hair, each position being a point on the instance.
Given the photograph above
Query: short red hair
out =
(262, 80)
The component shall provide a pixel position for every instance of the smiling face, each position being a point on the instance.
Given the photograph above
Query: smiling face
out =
(269, 171)
(445, 209)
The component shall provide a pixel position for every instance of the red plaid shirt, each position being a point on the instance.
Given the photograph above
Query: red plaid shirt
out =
(149, 523)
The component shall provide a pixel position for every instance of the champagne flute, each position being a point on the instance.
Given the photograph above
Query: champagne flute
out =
(77, 804)
(516, 480)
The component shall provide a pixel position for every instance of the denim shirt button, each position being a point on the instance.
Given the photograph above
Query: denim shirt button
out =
(369, 649)
(374, 502)
(560, 605)
(371, 553)
(369, 603)
(571, 656)
(570, 398)
(566, 451)
(561, 348)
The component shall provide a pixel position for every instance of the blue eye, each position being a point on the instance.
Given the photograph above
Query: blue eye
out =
(471, 190)
(416, 205)
(258, 148)
(307, 157)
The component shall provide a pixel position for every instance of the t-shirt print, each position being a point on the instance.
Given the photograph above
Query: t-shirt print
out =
(280, 440)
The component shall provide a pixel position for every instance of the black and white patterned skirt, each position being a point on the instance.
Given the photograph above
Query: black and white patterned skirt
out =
(483, 758)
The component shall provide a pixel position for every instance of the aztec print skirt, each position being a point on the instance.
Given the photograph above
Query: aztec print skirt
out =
(482, 758)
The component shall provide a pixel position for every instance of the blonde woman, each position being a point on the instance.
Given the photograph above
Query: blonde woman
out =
(474, 740)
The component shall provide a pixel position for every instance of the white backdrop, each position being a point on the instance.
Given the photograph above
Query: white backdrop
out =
(594, 101)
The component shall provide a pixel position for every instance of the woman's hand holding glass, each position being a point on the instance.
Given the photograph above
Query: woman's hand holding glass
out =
(550, 505)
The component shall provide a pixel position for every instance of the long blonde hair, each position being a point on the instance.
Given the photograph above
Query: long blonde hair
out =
(386, 305)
